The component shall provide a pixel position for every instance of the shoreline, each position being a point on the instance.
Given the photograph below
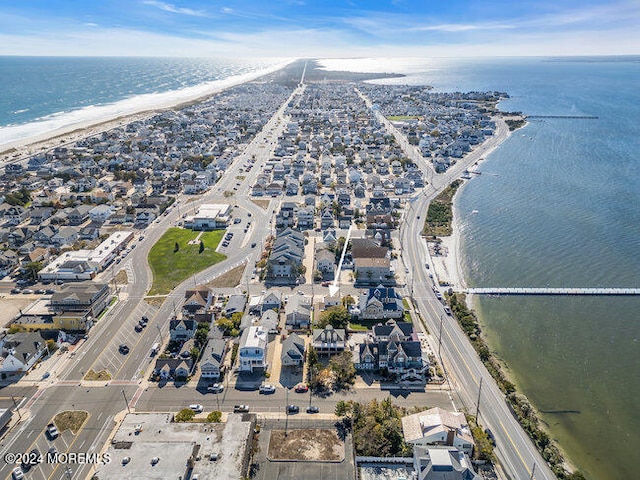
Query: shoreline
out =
(449, 268)
(18, 149)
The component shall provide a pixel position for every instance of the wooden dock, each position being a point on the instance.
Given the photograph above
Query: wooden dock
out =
(552, 291)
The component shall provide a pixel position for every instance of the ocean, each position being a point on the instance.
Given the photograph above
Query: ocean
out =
(557, 206)
(41, 94)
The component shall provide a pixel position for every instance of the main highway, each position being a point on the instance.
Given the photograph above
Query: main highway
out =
(514, 448)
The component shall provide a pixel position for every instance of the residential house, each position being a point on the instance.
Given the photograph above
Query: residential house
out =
(438, 427)
(380, 303)
(325, 262)
(167, 368)
(211, 363)
(329, 340)
(298, 312)
(20, 351)
(271, 300)
(101, 213)
(374, 271)
(8, 262)
(66, 236)
(236, 303)
(269, 321)
(196, 304)
(440, 463)
(79, 215)
(293, 350)
(252, 353)
(181, 330)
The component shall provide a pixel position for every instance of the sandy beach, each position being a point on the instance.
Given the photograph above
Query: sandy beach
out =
(116, 115)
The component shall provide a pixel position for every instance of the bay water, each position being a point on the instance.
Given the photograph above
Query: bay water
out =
(558, 204)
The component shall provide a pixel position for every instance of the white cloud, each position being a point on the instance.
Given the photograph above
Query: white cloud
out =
(460, 27)
(168, 7)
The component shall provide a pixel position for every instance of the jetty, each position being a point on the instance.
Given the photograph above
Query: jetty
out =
(552, 291)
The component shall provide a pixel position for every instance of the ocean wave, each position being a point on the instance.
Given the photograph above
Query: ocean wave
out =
(60, 122)
(20, 111)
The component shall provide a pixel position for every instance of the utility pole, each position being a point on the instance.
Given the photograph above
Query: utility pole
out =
(478, 404)
(286, 413)
(126, 401)
(440, 340)
(533, 470)
(15, 404)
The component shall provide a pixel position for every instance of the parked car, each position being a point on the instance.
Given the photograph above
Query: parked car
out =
(196, 407)
(292, 409)
(138, 328)
(27, 291)
(17, 474)
(492, 439)
(302, 388)
(123, 349)
(447, 310)
(241, 409)
(313, 409)
(253, 244)
(216, 388)
(267, 389)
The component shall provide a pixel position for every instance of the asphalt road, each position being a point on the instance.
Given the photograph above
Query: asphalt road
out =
(514, 449)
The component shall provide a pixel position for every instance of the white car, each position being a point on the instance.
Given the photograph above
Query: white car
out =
(216, 388)
(196, 407)
(267, 388)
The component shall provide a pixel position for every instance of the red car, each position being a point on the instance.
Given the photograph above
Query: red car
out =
(301, 388)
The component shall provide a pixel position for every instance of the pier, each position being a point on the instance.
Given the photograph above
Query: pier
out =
(580, 117)
(552, 291)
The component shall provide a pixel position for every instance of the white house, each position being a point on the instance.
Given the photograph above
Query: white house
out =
(253, 350)
(438, 427)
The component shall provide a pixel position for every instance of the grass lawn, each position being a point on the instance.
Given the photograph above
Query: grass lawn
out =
(171, 268)
(71, 420)
(102, 375)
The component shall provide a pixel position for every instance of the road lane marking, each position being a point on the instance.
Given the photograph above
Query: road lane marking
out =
(514, 447)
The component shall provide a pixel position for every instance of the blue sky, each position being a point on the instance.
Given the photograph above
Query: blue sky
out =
(294, 28)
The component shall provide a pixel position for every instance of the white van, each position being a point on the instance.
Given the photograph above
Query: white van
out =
(155, 349)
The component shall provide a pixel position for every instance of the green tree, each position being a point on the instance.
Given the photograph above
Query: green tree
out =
(337, 317)
(214, 417)
(201, 335)
(339, 247)
(31, 270)
(195, 353)
(343, 369)
(185, 415)
(348, 300)
(201, 249)
(342, 408)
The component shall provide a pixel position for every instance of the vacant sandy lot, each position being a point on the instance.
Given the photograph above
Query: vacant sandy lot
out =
(10, 306)
(306, 444)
